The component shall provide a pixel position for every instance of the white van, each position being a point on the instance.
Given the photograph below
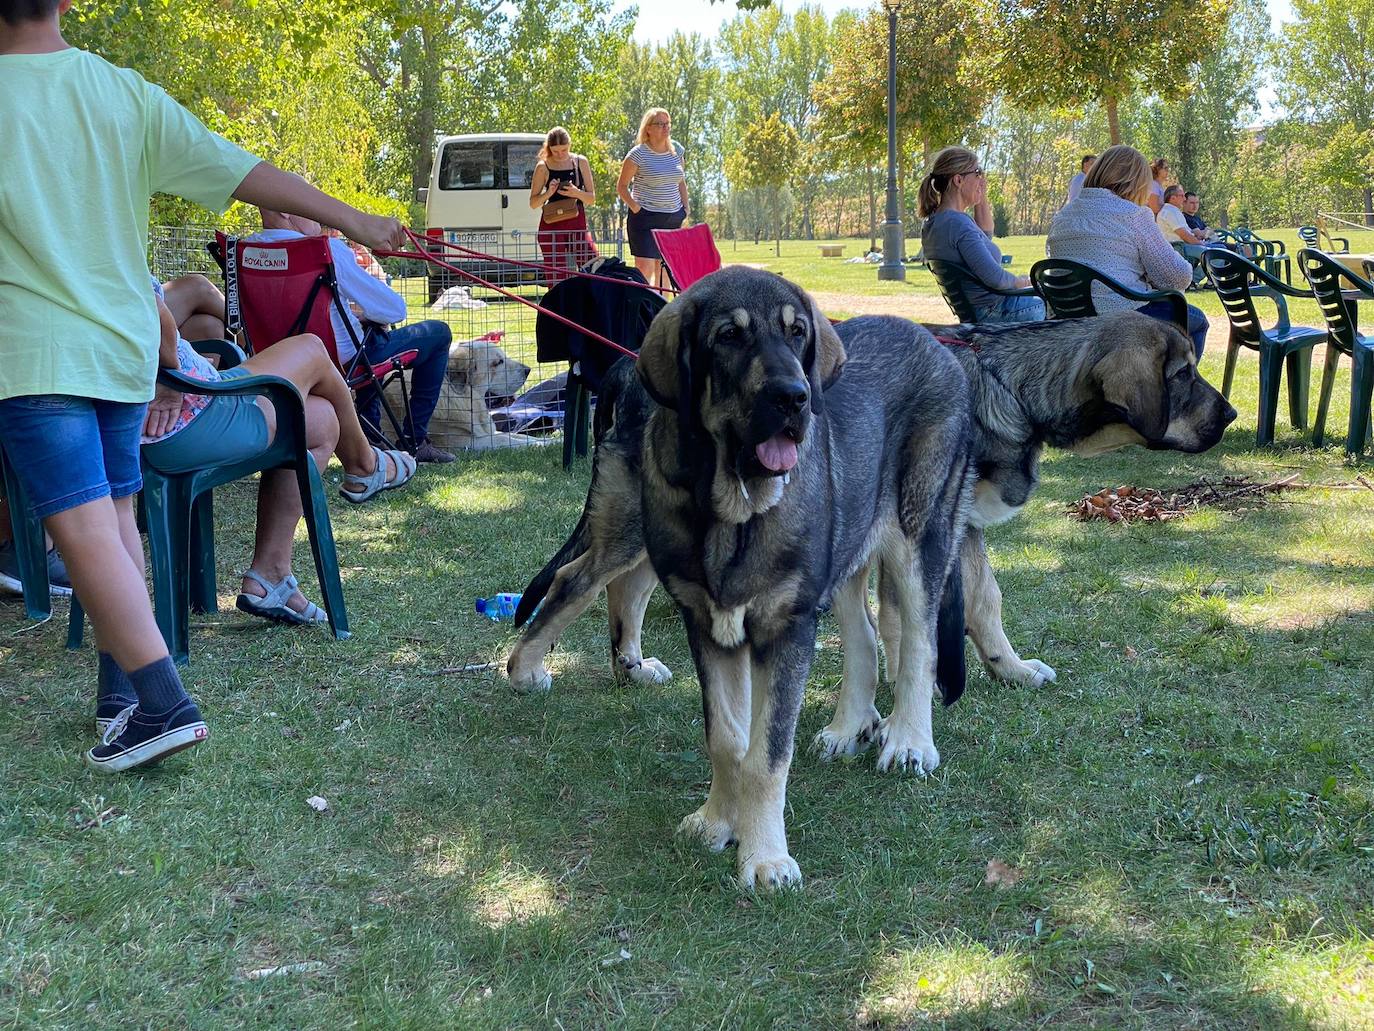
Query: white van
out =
(479, 197)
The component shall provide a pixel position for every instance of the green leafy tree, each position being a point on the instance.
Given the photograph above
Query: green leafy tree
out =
(1324, 61)
(762, 162)
(1074, 52)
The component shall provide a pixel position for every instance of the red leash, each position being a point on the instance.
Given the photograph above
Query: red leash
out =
(424, 255)
(570, 272)
(956, 342)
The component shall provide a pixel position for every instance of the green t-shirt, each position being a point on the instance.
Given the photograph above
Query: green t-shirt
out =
(85, 145)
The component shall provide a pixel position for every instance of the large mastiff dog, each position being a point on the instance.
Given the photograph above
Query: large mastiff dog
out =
(762, 494)
(1088, 386)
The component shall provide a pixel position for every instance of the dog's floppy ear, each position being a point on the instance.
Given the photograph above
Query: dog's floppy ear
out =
(1132, 379)
(460, 368)
(824, 358)
(664, 364)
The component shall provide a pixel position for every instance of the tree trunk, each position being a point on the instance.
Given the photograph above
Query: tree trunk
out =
(1368, 206)
(1113, 125)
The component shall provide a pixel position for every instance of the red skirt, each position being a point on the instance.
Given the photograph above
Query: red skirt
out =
(566, 244)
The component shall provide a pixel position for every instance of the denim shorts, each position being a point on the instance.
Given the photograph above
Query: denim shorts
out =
(67, 450)
(227, 430)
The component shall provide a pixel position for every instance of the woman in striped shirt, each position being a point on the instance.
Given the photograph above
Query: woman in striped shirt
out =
(653, 186)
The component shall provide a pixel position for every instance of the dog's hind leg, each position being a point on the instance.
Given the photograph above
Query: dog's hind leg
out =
(983, 616)
(575, 586)
(724, 676)
(851, 730)
(889, 624)
(627, 598)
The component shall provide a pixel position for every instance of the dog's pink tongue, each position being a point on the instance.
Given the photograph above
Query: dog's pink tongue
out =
(778, 453)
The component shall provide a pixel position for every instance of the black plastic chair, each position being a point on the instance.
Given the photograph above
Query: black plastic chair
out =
(1325, 275)
(1066, 288)
(1238, 281)
(954, 280)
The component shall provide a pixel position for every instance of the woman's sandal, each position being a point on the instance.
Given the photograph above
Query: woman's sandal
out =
(276, 605)
(376, 481)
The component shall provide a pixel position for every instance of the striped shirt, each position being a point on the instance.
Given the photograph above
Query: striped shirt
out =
(655, 185)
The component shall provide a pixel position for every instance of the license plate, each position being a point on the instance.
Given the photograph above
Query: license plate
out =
(467, 239)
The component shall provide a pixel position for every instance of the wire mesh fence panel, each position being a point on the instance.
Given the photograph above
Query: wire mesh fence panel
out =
(496, 393)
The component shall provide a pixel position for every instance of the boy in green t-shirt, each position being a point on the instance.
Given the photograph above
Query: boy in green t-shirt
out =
(86, 144)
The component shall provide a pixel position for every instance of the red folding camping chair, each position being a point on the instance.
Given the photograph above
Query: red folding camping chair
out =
(284, 288)
(688, 254)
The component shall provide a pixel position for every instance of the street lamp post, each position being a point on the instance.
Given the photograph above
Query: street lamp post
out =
(894, 243)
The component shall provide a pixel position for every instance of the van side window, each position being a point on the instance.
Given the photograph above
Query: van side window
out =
(520, 161)
(468, 166)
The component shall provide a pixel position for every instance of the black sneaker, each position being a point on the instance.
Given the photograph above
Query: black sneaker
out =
(135, 739)
(107, 710)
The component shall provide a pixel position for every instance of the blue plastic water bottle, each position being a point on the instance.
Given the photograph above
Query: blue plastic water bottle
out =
(498, 607)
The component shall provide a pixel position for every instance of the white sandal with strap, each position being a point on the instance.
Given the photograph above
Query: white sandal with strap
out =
(376, 481)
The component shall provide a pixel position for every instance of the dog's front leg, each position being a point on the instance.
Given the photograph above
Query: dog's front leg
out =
(983, 618)
(724, 676)
(906, 739)
(778, 674)
(627, 598)
(852, 729)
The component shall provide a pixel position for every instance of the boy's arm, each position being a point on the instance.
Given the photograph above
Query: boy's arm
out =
(267, 186)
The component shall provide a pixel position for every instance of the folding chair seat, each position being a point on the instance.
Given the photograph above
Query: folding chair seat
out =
(688, 254)
(619, 313)
(287, 287)
(179, 507)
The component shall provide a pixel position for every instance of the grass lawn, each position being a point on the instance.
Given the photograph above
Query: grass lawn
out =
(1188, 811)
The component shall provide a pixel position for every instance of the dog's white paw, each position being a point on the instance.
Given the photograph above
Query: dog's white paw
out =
(535, 681)
(845, 740)
(1041, 673)
(708, 827)
(645, 671)
(769, 872)
(905, 750)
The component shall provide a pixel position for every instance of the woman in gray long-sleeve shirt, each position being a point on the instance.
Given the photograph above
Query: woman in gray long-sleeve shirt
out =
(954, 184)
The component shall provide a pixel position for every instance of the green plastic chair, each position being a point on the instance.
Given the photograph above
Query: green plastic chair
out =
(31, 550)
(1238, 282)
(1066, 288)
(954, 279)
(180, 513)
(1326, 275)
(1271, 254)
(1311, 237)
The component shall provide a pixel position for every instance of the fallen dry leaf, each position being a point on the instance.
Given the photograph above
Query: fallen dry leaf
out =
(1131, 653)
(312, 967)
(1001, 876)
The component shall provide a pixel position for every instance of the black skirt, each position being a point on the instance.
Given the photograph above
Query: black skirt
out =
(641, 224)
